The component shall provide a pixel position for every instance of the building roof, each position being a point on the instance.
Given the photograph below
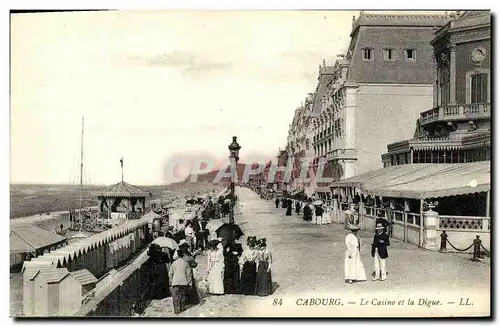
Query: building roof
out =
(466, 20)
(418, 20)
(122, 189)
(52, 275)
(29, 272)
(78, 235)
(325, 74)
(151, 215)
(72, 251)
(83, 276)
(420, 181)
(25, 239)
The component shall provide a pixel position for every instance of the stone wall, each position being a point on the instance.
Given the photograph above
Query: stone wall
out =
(385, 114)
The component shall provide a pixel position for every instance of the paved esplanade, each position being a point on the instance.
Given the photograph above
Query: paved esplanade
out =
(309, 262)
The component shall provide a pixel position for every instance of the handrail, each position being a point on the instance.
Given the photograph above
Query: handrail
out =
(461, 111)
(464, 217)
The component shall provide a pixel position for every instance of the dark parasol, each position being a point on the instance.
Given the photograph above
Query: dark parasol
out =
(229, 232)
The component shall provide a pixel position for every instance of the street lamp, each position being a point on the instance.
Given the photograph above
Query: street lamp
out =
(234, 150)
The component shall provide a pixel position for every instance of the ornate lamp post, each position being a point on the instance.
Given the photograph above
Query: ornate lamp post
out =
(234, 150)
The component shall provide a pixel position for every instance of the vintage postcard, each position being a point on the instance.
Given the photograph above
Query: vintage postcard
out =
(250, 163)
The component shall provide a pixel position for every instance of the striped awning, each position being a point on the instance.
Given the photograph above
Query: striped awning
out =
(420, 181)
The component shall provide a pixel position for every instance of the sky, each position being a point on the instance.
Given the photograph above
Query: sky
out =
(157, 85)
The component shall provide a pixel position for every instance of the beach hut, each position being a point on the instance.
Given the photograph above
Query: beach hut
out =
(86, 280)
(56, 293)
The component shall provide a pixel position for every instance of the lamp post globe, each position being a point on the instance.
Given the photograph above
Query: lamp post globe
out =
(234, 151)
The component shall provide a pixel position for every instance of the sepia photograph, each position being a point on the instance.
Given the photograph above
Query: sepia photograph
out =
(244, 164)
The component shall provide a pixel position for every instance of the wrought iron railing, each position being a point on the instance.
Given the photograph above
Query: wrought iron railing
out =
(464, 223)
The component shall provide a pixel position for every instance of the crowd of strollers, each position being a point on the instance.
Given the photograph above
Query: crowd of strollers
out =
(230, 268)
(314, 212)
(317, 213)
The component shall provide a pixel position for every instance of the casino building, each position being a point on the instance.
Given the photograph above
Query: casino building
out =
(457, 128)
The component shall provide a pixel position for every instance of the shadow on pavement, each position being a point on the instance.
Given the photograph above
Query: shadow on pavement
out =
(275, 286)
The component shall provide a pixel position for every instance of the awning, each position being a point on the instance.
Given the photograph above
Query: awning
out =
(325, 189)
(420, 181)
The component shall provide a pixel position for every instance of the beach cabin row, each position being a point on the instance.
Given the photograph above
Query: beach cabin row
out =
(97, 254)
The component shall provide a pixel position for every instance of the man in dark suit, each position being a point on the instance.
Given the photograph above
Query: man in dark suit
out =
(379, 252)
(199, 227)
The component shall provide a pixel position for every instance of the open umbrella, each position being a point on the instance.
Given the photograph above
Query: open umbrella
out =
(318, 202)
(229, 232)
(166, 242)
(213, 225)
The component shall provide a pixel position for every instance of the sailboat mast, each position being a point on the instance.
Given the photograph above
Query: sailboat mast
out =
(81, 178)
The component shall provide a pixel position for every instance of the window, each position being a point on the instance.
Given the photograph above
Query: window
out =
(479, 88)
(444, 85)
(410, 54)
(389, 54)
(367, 54)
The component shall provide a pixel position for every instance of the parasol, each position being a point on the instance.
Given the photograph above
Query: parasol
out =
(213, 225)
(318, 202)
(229, 232)
(166, 242)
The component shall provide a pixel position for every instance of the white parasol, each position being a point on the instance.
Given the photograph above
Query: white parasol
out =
(318, 202)
(166, 242)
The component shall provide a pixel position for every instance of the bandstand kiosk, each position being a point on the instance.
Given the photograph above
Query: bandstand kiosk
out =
(121, 201)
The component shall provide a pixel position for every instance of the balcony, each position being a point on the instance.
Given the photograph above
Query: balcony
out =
(456, 112)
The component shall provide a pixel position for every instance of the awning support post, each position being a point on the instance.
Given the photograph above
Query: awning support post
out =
(405, 217)
(421, 233)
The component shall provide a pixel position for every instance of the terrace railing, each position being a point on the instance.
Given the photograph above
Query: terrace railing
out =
(464, 223)
(456, 112)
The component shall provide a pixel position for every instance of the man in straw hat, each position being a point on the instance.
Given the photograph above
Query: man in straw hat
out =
(379, 251)
(354, 269)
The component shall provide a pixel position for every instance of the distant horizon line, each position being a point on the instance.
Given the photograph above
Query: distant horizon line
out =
(98, 184)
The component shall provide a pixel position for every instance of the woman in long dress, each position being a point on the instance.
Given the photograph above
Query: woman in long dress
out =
(307, 212)
(313, 214)
(354, 269)
(264, 284)
(328, 215)
(157, 266)
(248, 261)
(289, 208)
(232, 252)
(215, 268)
